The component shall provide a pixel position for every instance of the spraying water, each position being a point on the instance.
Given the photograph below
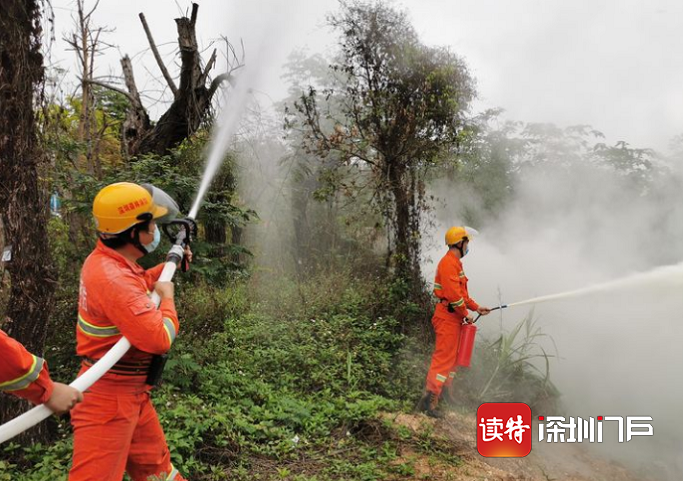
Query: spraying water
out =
(230, 116)
(664, 276)
(227, 126)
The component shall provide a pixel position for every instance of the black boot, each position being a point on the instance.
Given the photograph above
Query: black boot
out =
(428, 405)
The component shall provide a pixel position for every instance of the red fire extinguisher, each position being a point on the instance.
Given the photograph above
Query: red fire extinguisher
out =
(468, 333)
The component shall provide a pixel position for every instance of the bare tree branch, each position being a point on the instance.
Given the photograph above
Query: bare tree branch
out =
(160, 62)
(220, 79)
(193, 17)
(110, 87)
(209, 66)
(129, 79)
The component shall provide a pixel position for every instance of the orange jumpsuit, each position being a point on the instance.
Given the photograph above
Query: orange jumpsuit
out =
(450, 286)
(116, 427)
(22, 373)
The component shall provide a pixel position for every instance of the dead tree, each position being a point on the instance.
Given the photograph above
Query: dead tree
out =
(23, 203)
(137, 121)
(191, 97)
(86, 41)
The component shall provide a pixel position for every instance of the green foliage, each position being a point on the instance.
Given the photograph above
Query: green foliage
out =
(179, 175)
(513, 367)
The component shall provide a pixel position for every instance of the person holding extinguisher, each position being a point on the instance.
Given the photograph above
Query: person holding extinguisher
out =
(452, 310)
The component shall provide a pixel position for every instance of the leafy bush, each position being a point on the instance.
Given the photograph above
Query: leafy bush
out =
(507, 369)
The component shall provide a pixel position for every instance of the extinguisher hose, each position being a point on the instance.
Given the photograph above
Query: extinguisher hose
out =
(503, 306)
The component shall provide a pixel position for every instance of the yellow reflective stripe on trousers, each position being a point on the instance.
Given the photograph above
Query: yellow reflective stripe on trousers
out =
(170, 329)
(440, 378)
(97, 331)
(174, 473)
(458, 303)
(25, 380)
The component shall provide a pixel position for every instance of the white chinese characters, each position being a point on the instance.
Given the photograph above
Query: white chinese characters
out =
(557, 429)
(492, 429)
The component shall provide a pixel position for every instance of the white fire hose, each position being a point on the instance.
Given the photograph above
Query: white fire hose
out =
(39, 413)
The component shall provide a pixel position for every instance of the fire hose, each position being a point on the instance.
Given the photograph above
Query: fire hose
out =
(187, 229)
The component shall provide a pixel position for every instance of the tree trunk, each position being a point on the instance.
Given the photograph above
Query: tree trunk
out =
(215, 231)
(404, 252)
(236, 239)
(23, 205)
(137, 120)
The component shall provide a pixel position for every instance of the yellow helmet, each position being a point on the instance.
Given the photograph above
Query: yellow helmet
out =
(120, 206)
(459, 233)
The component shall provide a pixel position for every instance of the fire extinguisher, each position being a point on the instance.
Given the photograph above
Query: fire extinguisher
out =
(468, 333)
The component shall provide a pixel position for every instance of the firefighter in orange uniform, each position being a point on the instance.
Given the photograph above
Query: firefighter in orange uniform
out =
(116, 428)
(26, 376)
(450, 286)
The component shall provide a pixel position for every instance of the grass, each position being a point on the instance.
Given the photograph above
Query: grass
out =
(507, 368)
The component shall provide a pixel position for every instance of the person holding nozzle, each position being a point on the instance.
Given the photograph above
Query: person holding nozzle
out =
(116, 428)
(450, 287)
(26, 375)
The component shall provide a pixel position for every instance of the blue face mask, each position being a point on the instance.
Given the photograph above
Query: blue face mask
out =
(467, 249)
(155, 243)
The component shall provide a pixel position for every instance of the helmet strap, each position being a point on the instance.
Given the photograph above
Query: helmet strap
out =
(460, 249)
(136, 240)
(136, 237)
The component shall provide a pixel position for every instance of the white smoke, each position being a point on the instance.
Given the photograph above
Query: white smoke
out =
(620, 350)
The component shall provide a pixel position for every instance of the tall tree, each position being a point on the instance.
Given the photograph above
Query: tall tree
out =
(401, 104)
(23, 205)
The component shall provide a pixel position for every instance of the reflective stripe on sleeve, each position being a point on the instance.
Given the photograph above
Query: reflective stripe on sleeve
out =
(97, 331)
(457, 303)
(170, 329)
(462, 274)
(25, 380)
(174, 473)
(437, 286)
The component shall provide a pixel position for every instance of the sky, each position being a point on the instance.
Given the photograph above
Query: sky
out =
(613, 64)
